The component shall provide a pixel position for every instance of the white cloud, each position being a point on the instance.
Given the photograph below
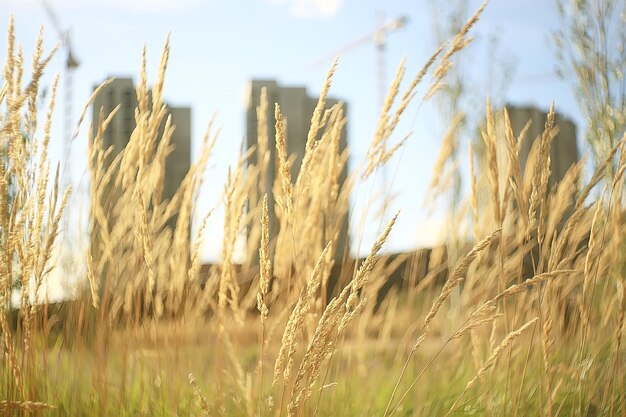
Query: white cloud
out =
(315, 8)
(158, 6)
(310, 8)
(149, 6)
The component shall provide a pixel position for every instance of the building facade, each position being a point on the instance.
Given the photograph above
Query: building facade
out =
(121, 91)
(564, 149)
(297, 107)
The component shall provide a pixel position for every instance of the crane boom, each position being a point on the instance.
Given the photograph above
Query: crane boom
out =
(378, 37)
(64, 35)
(54, 19)
(71, 63)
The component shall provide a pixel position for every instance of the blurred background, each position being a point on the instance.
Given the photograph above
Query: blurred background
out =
(218, 47)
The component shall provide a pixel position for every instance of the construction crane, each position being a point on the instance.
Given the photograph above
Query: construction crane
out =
(71, 63)
(379, 38)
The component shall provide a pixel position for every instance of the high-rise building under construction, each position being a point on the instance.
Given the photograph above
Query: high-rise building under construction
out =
(564, 149)
(121, 91)
(297, 108)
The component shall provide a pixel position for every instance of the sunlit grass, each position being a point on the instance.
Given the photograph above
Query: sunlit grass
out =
(529, 319)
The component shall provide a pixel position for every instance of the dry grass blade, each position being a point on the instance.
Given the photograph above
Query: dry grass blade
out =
(458, 275)
(284, 168)
(490, 362)
(459, 43)
(202, 401)
(451, 283)
(331, 325)
(285, 357)
(27, 406)
(446, 153)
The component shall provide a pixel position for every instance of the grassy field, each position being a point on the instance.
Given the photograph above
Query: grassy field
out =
(529, 320)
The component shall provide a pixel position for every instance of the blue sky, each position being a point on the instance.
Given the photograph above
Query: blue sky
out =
(217, 45)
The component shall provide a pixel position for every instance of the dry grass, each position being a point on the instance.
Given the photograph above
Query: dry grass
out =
(535, 326)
